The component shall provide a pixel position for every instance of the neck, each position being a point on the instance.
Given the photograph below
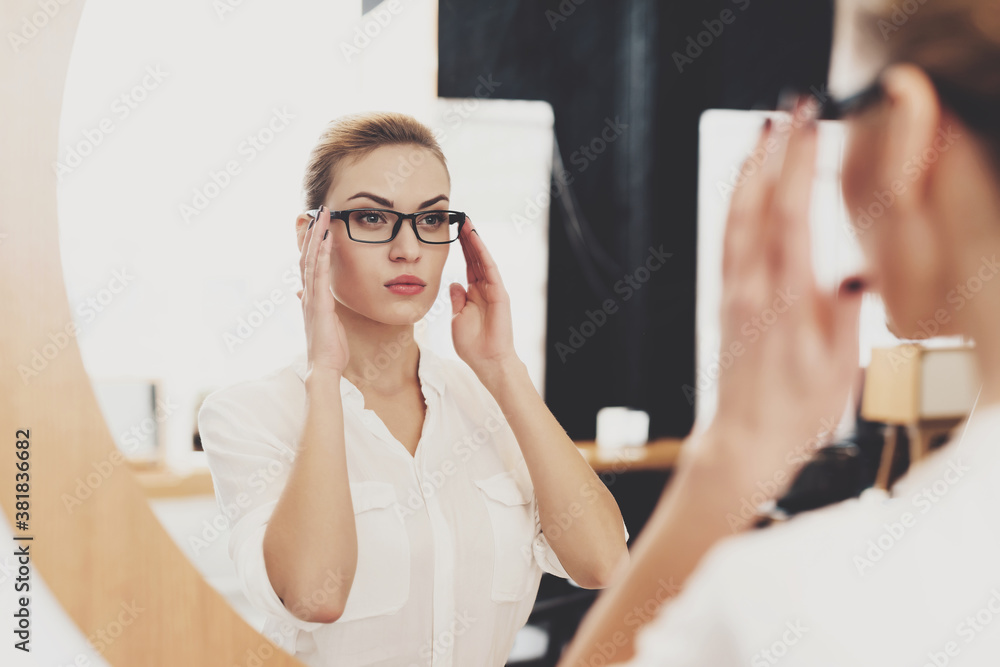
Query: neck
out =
(384, 357)
(973, 214)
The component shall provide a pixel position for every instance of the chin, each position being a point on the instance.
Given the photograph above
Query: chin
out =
(402, 312)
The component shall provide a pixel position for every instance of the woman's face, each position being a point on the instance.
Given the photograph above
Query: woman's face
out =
(404, 178)
(885, 188)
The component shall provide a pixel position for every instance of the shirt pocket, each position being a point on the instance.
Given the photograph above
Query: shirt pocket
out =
(382, 579)
(512, 517)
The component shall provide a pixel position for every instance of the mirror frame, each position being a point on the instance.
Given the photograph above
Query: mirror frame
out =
(111, 549)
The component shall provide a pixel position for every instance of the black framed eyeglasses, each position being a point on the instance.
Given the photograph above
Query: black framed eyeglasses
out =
(381, 225)
(838, 109)
(973, 109)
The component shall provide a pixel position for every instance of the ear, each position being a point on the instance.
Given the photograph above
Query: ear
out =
(912, 118)
(301, 226)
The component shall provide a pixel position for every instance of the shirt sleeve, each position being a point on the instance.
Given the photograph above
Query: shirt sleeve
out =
(249, 467)
(545, 556)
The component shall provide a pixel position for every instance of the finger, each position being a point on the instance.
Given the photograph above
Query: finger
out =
(747, 204)
(324, 286)
(487, 265)
(321, 225)
(470, 265)
(475, 252)
(305, 250)
(849, 297)
(789, 223)
(458, 298)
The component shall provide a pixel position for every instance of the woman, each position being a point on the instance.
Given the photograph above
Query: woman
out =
(390, 507)
(911, 580)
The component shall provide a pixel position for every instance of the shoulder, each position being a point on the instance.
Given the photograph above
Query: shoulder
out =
(460, 383)
(270, 404)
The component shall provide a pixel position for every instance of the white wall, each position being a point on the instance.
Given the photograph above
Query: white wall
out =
(170, 283)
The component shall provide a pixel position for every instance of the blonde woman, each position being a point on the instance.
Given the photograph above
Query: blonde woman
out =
(390, 507)
(876, 581)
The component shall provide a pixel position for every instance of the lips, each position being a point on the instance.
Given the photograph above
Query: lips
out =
(406, 279)
(406, 284)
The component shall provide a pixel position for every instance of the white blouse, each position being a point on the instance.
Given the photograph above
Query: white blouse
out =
(868, 582)
(450, 547)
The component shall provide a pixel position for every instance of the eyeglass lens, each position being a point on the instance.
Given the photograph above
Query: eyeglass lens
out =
(376, 226)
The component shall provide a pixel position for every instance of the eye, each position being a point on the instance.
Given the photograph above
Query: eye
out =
(368, 217)
(433, 219)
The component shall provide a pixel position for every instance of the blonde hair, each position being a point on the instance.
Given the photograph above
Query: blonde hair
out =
(354, 136)
(957, 43)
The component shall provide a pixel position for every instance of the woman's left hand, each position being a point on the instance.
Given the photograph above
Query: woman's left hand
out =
(481, 323)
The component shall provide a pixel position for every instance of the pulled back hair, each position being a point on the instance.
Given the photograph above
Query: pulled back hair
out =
(957, 43)
(354, 136)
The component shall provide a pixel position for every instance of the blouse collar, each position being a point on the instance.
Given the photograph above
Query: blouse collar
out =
(430, 372)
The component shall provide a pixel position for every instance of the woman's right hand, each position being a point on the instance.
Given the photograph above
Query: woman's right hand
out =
(795, 344)
(326, 340)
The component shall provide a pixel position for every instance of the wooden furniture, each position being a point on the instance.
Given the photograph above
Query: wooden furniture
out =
(159, 482)
(108, 549)
(925, 390)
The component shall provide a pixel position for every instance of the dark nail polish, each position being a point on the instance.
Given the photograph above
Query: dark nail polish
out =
(854, 285)
(767, 124)
(325, 234)
(312, 222)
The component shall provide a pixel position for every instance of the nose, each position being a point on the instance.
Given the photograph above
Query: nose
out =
(406, 247)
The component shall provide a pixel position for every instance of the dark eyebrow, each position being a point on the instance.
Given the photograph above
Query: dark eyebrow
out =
(388, 203)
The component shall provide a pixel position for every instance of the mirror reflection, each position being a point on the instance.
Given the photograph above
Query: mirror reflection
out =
(396, 320)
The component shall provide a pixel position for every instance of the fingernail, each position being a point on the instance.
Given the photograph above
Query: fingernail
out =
(313, 222)
(767, 124)
(853, 285)
(325, 234)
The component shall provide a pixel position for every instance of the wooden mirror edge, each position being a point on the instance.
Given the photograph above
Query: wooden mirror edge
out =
(110, 549)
